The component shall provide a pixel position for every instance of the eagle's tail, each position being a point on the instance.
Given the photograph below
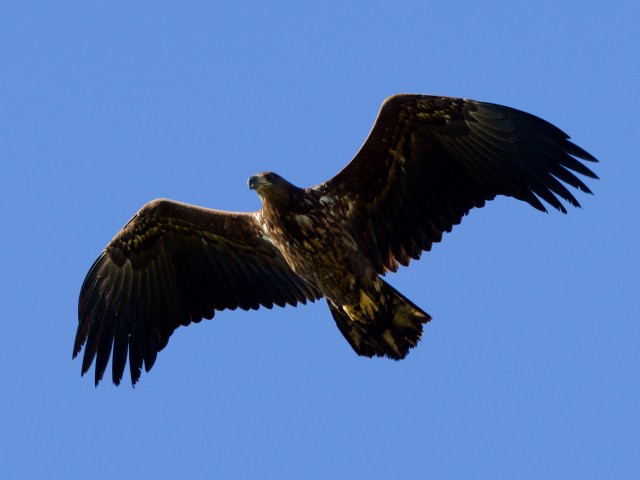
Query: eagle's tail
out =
(382, 324)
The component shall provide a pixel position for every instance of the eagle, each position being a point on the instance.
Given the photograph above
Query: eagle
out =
(426, 163)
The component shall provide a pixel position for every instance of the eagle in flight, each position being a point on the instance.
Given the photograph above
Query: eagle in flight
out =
(427, 161)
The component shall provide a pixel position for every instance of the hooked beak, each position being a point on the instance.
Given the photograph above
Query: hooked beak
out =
(257, 181)
(253, 182)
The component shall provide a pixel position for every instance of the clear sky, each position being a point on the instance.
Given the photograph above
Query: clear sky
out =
(530, 368)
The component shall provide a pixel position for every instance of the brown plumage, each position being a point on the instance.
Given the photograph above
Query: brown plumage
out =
(427, 162)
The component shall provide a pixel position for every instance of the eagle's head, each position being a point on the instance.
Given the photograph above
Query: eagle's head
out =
(269, 185)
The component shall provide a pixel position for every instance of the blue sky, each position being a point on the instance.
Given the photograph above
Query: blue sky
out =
(530, 367)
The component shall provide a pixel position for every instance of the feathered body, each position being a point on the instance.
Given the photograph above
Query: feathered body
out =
(306, 226)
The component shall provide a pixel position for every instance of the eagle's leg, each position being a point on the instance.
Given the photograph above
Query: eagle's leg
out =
(366, 306)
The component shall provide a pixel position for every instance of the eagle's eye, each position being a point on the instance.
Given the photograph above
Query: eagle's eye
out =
(269, 177)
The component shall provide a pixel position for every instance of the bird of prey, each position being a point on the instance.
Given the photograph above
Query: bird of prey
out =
(427, 161)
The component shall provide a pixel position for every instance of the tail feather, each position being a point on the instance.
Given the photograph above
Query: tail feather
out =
(391, 328)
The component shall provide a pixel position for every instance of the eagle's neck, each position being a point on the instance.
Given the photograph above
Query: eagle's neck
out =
(281, 212)
(282, 199)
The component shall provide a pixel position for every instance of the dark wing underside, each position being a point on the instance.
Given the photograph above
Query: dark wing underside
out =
(171, 265)
(429, 160)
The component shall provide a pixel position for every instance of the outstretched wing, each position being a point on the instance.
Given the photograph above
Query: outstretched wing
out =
(171, 265)
(429, 160)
